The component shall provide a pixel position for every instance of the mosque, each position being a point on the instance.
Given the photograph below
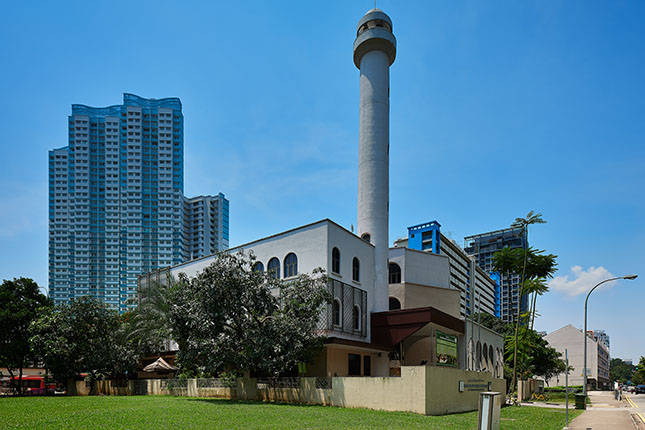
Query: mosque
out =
(392, 306)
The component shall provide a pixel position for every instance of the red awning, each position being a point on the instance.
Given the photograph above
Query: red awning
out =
(390, 328)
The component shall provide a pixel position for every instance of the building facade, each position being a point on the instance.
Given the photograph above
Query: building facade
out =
(482, 247)
(116, 202)
(600, 336)
(571, 339)
(206, 224)
(479, 291)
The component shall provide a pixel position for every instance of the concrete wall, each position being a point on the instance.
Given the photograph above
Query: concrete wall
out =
(421, 389)
(418, 296)
(422, 268)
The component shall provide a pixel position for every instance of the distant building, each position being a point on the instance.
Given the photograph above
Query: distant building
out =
(601, 336)
(482, 247)
(116, 202)
(207, 225)
(570, 338)
(479, 291)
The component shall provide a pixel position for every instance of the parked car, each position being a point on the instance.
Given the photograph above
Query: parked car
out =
(640, 389)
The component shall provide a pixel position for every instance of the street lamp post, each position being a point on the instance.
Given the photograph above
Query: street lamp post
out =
(584, 333)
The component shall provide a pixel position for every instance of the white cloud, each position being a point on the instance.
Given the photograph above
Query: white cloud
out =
(580, 281)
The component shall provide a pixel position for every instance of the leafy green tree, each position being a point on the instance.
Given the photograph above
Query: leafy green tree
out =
(231, 318)
(620, 371)
(83, 336)
(639, 374)
(21, 302)
(534, 355)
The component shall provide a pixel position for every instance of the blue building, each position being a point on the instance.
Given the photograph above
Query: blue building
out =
(479, 291)
(116, 199)
(482, 247)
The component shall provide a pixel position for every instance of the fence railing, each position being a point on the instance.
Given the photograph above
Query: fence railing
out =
(216, 383)
(169, 384)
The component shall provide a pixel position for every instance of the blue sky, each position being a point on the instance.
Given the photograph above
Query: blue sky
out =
(497, 108)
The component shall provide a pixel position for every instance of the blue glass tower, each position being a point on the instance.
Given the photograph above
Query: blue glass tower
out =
(116, 199)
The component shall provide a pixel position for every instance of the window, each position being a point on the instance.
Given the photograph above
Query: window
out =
(395, 304)
(356, 318)
(356, 270)
(258, 267)
(366, 237)
(394, 273)
(290, 265)
(335, 260)
(336, 312)
(274, 268)
(354, 364)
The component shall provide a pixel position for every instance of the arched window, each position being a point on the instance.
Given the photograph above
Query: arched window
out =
(356, 318)
(274, 268)
(335, 260)
(356, 269)
(366, 237)
(258, 267)
(395, 304)
(290, 265)
(395, 273)
(478, 356)
(335, 308)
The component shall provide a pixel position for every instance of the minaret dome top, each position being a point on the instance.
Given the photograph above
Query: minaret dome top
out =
(374, 31)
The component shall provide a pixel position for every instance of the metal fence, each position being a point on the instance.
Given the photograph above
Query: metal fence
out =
(293, 382)
(216, 383)
(169, 384)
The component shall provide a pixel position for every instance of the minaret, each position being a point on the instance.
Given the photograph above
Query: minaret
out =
(374, 53)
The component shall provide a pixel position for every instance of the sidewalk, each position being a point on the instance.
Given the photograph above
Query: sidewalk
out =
(605, 413)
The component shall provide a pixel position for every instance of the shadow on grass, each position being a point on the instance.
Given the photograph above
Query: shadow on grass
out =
(220, 401)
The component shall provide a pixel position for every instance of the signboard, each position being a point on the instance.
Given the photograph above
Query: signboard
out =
(446, 350)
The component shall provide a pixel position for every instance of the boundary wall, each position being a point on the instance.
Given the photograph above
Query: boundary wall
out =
(426, 390)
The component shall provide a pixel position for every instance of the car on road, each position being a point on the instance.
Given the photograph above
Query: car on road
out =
(640, 389)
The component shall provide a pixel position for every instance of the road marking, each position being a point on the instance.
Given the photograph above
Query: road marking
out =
(642, 418)
(633, 405)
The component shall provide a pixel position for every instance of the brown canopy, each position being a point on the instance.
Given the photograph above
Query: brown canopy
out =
(160, 365)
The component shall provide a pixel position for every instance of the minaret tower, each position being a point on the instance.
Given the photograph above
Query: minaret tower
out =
(374, 53)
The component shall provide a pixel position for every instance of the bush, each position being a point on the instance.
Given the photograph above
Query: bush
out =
(560, 389)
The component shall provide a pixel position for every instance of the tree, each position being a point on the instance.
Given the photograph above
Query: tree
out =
(639, 374)
(231, 318)
(620, 371)
(83, 336)
(534, 355)
(21, 302)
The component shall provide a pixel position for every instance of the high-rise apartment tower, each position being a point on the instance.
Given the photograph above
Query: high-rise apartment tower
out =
(116, 199)
(482, 247)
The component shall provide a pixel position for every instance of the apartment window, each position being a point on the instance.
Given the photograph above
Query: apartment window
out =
(356, 269)
(335, 260)
(290, 265)
(274, 268)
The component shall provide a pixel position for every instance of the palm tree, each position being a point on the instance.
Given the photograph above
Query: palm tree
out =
(523, 225)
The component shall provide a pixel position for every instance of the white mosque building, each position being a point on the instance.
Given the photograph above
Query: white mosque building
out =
(364, 336)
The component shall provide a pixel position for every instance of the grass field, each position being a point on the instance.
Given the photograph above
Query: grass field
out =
(143, 412)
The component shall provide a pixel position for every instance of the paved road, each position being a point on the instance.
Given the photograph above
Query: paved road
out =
(636, 405)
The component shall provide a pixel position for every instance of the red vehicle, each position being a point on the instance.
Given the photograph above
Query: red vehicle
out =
(34, 385)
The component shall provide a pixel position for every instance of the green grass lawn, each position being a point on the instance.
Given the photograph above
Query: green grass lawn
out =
(165, 412)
